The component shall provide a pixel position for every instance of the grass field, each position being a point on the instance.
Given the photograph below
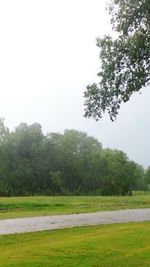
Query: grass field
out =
(38, 206)
(118, 245)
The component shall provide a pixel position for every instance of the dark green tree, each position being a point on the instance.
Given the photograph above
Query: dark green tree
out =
(56, 183)
(125, 59)
(78, 149)
(22, 150)
(4, 162)
(147, 178)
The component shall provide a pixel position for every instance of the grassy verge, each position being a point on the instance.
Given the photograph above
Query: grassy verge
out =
(108, 245)
(38, 206)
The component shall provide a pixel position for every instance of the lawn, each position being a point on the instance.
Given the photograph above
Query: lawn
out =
(37, 206)
(118, 245)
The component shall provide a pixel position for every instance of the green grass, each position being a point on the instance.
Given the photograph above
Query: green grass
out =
(38, 206)
(118, 245)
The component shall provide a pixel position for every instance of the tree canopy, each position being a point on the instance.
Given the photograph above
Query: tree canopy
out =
(72, 162)
(125, 59)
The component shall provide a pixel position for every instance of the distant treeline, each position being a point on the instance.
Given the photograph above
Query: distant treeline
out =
(71, 163)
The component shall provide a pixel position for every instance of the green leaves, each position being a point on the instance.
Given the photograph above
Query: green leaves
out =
(125, 61)
(70, 163)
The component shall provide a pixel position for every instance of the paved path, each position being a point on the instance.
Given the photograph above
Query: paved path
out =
(22, 225)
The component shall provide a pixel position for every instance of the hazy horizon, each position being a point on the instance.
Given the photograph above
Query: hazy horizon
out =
(48, 56)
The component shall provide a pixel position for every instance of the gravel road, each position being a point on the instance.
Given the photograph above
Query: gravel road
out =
(23, 225)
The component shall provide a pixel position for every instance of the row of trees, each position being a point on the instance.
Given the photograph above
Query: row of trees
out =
(32, 163)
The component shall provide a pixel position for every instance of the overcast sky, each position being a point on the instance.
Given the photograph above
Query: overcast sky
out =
(47, 57)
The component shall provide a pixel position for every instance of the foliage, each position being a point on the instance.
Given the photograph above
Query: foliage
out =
(72, 163)
(125, 59)
(147, 178)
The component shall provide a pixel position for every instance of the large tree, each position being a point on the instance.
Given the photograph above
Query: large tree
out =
(125, 58)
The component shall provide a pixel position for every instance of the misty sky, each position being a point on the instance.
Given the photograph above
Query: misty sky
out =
(47, 57)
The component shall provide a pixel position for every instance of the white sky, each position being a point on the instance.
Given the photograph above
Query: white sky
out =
(47, 57)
